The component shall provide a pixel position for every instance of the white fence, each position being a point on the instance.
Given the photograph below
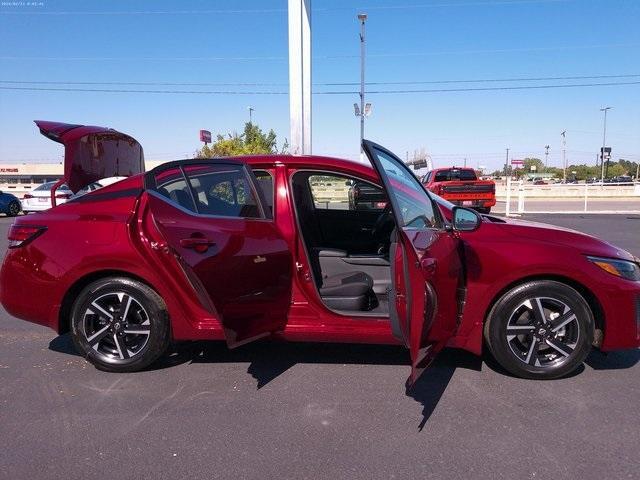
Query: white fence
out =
(522, 197)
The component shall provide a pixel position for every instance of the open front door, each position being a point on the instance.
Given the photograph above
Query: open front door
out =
(213, 220)
(426, 267)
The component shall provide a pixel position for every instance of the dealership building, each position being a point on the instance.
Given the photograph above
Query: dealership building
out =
(20, 178)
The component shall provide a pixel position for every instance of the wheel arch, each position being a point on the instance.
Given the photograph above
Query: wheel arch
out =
(64, 320)
(591, 299)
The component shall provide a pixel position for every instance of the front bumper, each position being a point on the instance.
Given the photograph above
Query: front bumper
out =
(621, 308)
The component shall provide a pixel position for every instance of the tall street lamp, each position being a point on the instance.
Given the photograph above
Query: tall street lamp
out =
(363, 18)
(546, 157)
(604, 140)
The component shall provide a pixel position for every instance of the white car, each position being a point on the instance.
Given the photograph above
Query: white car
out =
(39, 198)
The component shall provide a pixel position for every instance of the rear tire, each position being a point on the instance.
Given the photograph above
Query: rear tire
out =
(540, 329)
(13, 209)
(120, 324)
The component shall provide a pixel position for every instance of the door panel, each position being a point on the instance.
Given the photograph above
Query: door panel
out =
(426, 266)
(243, 264)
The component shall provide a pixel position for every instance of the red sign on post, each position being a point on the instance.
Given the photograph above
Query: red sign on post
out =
(517, 163)
(205, 136)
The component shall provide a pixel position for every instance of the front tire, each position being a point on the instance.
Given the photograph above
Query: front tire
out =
(120, 324)
(541, 329)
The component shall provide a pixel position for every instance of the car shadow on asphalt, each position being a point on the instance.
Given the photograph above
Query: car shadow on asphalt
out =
(268, 360)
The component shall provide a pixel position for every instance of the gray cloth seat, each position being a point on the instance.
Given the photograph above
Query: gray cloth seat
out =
(348, 291)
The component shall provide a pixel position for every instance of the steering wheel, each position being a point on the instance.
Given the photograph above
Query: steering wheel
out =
(382, 228)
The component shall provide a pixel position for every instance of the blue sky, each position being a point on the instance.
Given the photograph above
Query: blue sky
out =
(245, 42)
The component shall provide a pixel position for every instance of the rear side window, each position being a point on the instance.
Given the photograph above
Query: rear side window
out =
(223, 190)
(171, 184)
(265, 183)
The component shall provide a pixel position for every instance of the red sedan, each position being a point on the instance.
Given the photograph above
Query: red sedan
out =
(245, 248)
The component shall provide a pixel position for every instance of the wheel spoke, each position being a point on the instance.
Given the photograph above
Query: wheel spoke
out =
(102, 310)
(531, 356)
(125, 303)
(137, 330)
(563, 348)
(99, 335)
(538, 311)
(519, 329)
(562, 320)
(121, 347)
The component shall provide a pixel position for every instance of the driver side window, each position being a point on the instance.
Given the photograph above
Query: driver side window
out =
(416, 208)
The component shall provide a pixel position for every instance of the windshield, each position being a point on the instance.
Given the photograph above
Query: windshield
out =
(455, 174)
(48, 186)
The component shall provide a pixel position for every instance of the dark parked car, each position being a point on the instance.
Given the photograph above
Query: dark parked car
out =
(200, 250)
(9, 204)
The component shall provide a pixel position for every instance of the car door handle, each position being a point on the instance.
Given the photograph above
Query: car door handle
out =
(199, 244)
(428, 266)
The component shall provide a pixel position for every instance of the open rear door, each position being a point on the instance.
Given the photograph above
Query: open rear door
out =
(213, 219)
(92, 153)
(426, 266)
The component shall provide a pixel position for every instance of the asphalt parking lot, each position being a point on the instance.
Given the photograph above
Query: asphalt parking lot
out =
(297, 411)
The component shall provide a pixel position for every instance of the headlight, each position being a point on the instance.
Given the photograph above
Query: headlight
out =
(619, 268)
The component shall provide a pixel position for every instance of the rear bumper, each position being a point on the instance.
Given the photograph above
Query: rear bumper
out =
(19, 286)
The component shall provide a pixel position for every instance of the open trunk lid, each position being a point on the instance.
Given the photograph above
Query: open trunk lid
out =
(92, 153)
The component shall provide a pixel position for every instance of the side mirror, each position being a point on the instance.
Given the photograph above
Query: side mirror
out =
(465, 219)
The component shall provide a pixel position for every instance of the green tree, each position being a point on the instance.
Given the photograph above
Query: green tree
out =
(533, 162)
(252, 141)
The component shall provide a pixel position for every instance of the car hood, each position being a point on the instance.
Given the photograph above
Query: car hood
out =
(543, 232)
(92, 153)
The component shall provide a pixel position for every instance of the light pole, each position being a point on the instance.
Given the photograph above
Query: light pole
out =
(363, 18)
(564, 156)
(251, 109)
(604, 140)
(546, 157)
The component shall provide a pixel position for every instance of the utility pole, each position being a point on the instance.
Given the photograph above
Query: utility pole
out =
(363, 18)
(506, 163)
(300, 76)
(465, 162)
(564, 156)
(604, 140)
(251, 109)
(546, 157)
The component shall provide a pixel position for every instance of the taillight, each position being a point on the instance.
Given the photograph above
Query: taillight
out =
(27, 196)
(65, 196)
(20, 235)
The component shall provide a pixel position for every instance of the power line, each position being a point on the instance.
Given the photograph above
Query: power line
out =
(280, 10)
(338, 92)
(260, 84)
(318, 57)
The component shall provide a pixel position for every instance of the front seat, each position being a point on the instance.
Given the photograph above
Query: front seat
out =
(343, 291)
(348, 291)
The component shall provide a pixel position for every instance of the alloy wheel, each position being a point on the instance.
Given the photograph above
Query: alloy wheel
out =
(116, 326)
(14, 209)
(542, 332)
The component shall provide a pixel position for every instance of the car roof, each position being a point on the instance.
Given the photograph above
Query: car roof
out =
(302, 162)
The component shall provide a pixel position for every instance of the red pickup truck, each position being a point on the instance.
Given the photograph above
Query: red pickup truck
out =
(462, 187)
